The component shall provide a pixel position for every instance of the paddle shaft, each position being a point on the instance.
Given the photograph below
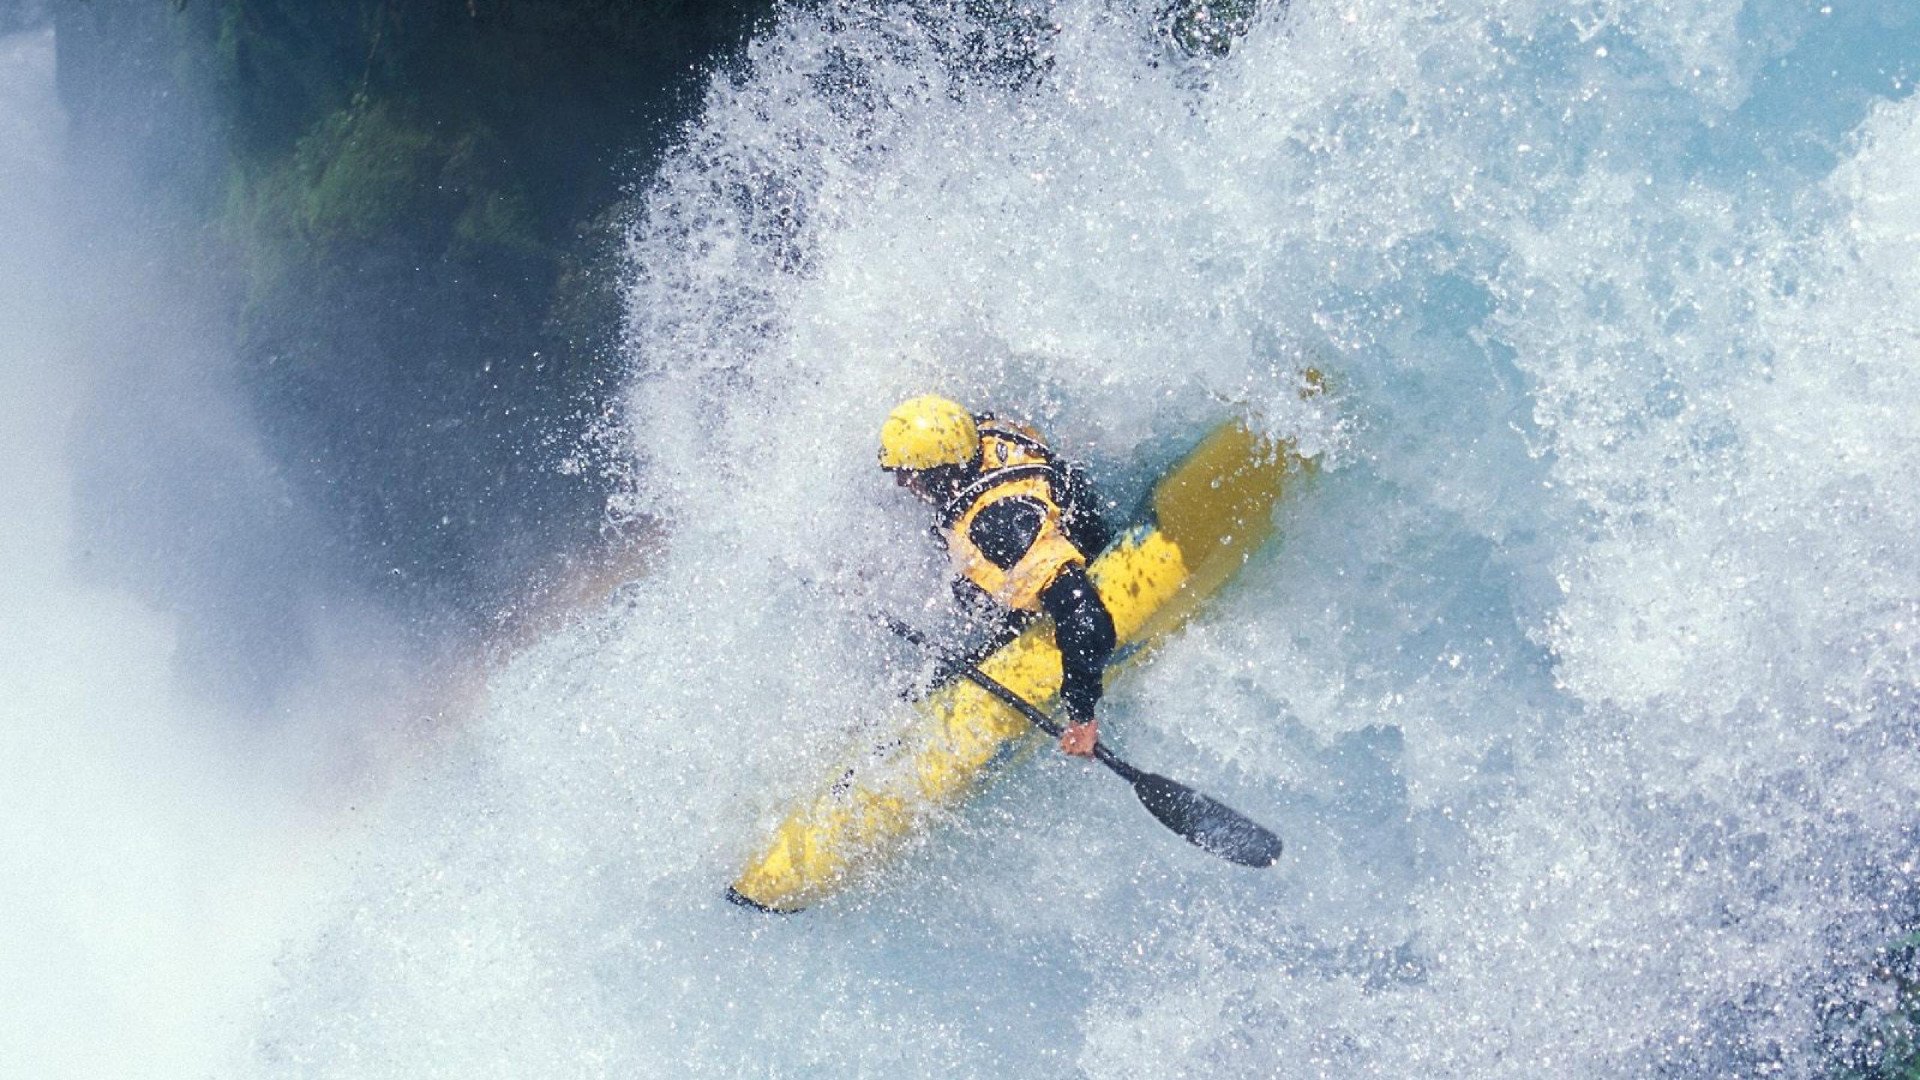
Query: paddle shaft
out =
(1013, 701)
(1203, 821)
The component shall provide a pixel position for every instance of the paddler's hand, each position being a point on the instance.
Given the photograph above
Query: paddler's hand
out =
(1078, 739)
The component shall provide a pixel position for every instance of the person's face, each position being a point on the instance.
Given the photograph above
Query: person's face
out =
(917, 481)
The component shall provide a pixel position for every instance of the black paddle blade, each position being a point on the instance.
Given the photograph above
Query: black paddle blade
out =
(1212, 826)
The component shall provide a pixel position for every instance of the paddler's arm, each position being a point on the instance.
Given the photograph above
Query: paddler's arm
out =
(1083, 629)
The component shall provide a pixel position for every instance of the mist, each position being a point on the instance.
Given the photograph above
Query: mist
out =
(191, 705)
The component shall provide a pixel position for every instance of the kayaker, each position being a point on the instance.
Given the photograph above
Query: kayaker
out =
(1020, 526)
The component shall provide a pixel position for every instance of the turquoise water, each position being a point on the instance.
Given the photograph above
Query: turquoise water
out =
(1581, 683)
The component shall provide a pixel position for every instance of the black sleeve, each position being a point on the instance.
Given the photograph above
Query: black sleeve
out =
(1084, 631)
(1004, 529)
(1081, 511)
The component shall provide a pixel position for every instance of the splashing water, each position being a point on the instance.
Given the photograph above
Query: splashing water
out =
(1582, 682)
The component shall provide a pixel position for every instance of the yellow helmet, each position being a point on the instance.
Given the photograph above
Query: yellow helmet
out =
(927, 432)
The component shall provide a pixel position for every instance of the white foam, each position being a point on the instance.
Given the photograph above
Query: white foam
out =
(1580, 684)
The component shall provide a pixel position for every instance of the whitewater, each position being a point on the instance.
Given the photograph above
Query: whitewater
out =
(1582, 680)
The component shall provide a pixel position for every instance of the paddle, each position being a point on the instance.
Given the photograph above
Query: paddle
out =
(1205, 822)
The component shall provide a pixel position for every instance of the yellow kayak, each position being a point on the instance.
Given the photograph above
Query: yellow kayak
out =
(1207, 516)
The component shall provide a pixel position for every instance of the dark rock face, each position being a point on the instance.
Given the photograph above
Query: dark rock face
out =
(409, 207)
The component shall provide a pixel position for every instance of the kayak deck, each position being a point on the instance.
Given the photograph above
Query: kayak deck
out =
(1207, 517)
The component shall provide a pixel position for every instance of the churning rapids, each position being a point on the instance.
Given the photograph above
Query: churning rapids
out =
(1584, 681)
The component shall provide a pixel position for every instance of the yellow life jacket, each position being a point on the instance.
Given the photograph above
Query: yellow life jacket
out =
(1014, 463)
(1004, 444)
